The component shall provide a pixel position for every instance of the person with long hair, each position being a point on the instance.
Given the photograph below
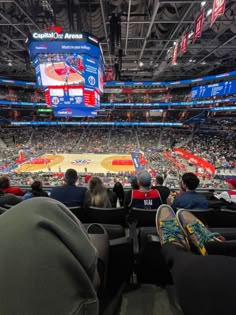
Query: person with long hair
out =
(98, 196)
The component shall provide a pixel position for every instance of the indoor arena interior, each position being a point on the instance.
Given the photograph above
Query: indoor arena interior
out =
(118, 157)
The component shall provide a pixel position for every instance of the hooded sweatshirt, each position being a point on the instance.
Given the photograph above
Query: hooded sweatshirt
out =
(47, 262)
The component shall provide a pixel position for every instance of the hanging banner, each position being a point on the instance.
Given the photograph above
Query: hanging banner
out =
(175, 53)
(184, 43)
(198, 26)
(196, 160)
(218, 9)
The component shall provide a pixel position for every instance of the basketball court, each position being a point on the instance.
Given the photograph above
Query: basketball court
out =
(94, 163)
(59, 73)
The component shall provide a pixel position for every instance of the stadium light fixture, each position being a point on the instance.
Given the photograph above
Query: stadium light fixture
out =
(209, 12)
(10, 63)
(190, 35)
(203, 3)
(140, 63)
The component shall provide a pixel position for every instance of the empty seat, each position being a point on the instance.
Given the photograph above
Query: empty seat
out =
(78, 212)
(151, 267)
(105, 215)
(143, 217)
(114, 231)
(223, 218)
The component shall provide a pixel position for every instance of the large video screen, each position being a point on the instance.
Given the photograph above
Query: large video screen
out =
(216, 89)
(71, 67)
(68, 69)
(67, 59)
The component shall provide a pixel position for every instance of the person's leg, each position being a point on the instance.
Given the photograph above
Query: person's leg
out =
(204, 285)
(227, 248)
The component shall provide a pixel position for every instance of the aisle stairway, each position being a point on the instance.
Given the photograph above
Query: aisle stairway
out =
(149, 300)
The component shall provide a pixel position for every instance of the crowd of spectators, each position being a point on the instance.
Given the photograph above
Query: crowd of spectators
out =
(217, 148)
(94, 140)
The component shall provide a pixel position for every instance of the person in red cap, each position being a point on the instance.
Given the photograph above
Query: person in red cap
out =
(230, 195)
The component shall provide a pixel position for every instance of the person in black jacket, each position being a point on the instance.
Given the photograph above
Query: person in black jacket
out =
(69, 194)
(163, 190)
(36, 191)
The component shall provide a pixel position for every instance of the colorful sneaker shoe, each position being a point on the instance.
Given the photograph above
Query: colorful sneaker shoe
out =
(168, 228)
(196, 231)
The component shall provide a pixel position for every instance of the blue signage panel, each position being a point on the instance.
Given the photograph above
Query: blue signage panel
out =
(3, 102)
(205, 102)
(173, 83)
(216, 89)
(91, 123)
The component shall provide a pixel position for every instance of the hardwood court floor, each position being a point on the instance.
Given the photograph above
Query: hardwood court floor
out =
(95, 163)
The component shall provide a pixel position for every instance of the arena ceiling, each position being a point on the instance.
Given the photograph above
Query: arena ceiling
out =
(149, 29)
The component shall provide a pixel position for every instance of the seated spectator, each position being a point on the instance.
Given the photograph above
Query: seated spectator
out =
(98, 196)
(49, 265)
(36, 191)
(119, 191)
(6, 188)
(144, 197)
(69, 194)
(134, 182)
(189, 198)
(230, 195)
(9, 199)
(163, 190)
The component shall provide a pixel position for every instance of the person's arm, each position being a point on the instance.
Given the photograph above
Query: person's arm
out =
(175, 204)
(20, 192)
(113, 199)
(127, 198)
(87, 200)
(13, 200)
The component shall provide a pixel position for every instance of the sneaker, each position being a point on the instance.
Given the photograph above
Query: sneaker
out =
(168, 228)
(196, 231)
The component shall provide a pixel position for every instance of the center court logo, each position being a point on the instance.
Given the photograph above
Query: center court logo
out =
(81, 162)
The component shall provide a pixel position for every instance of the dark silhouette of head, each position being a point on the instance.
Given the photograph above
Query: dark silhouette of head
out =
(71, 176)
(159, 180)
(189, 181)
(36, 185)
(134, 182)
(4, 182)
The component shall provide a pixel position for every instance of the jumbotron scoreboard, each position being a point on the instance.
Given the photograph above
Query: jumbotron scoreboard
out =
(70, 68)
